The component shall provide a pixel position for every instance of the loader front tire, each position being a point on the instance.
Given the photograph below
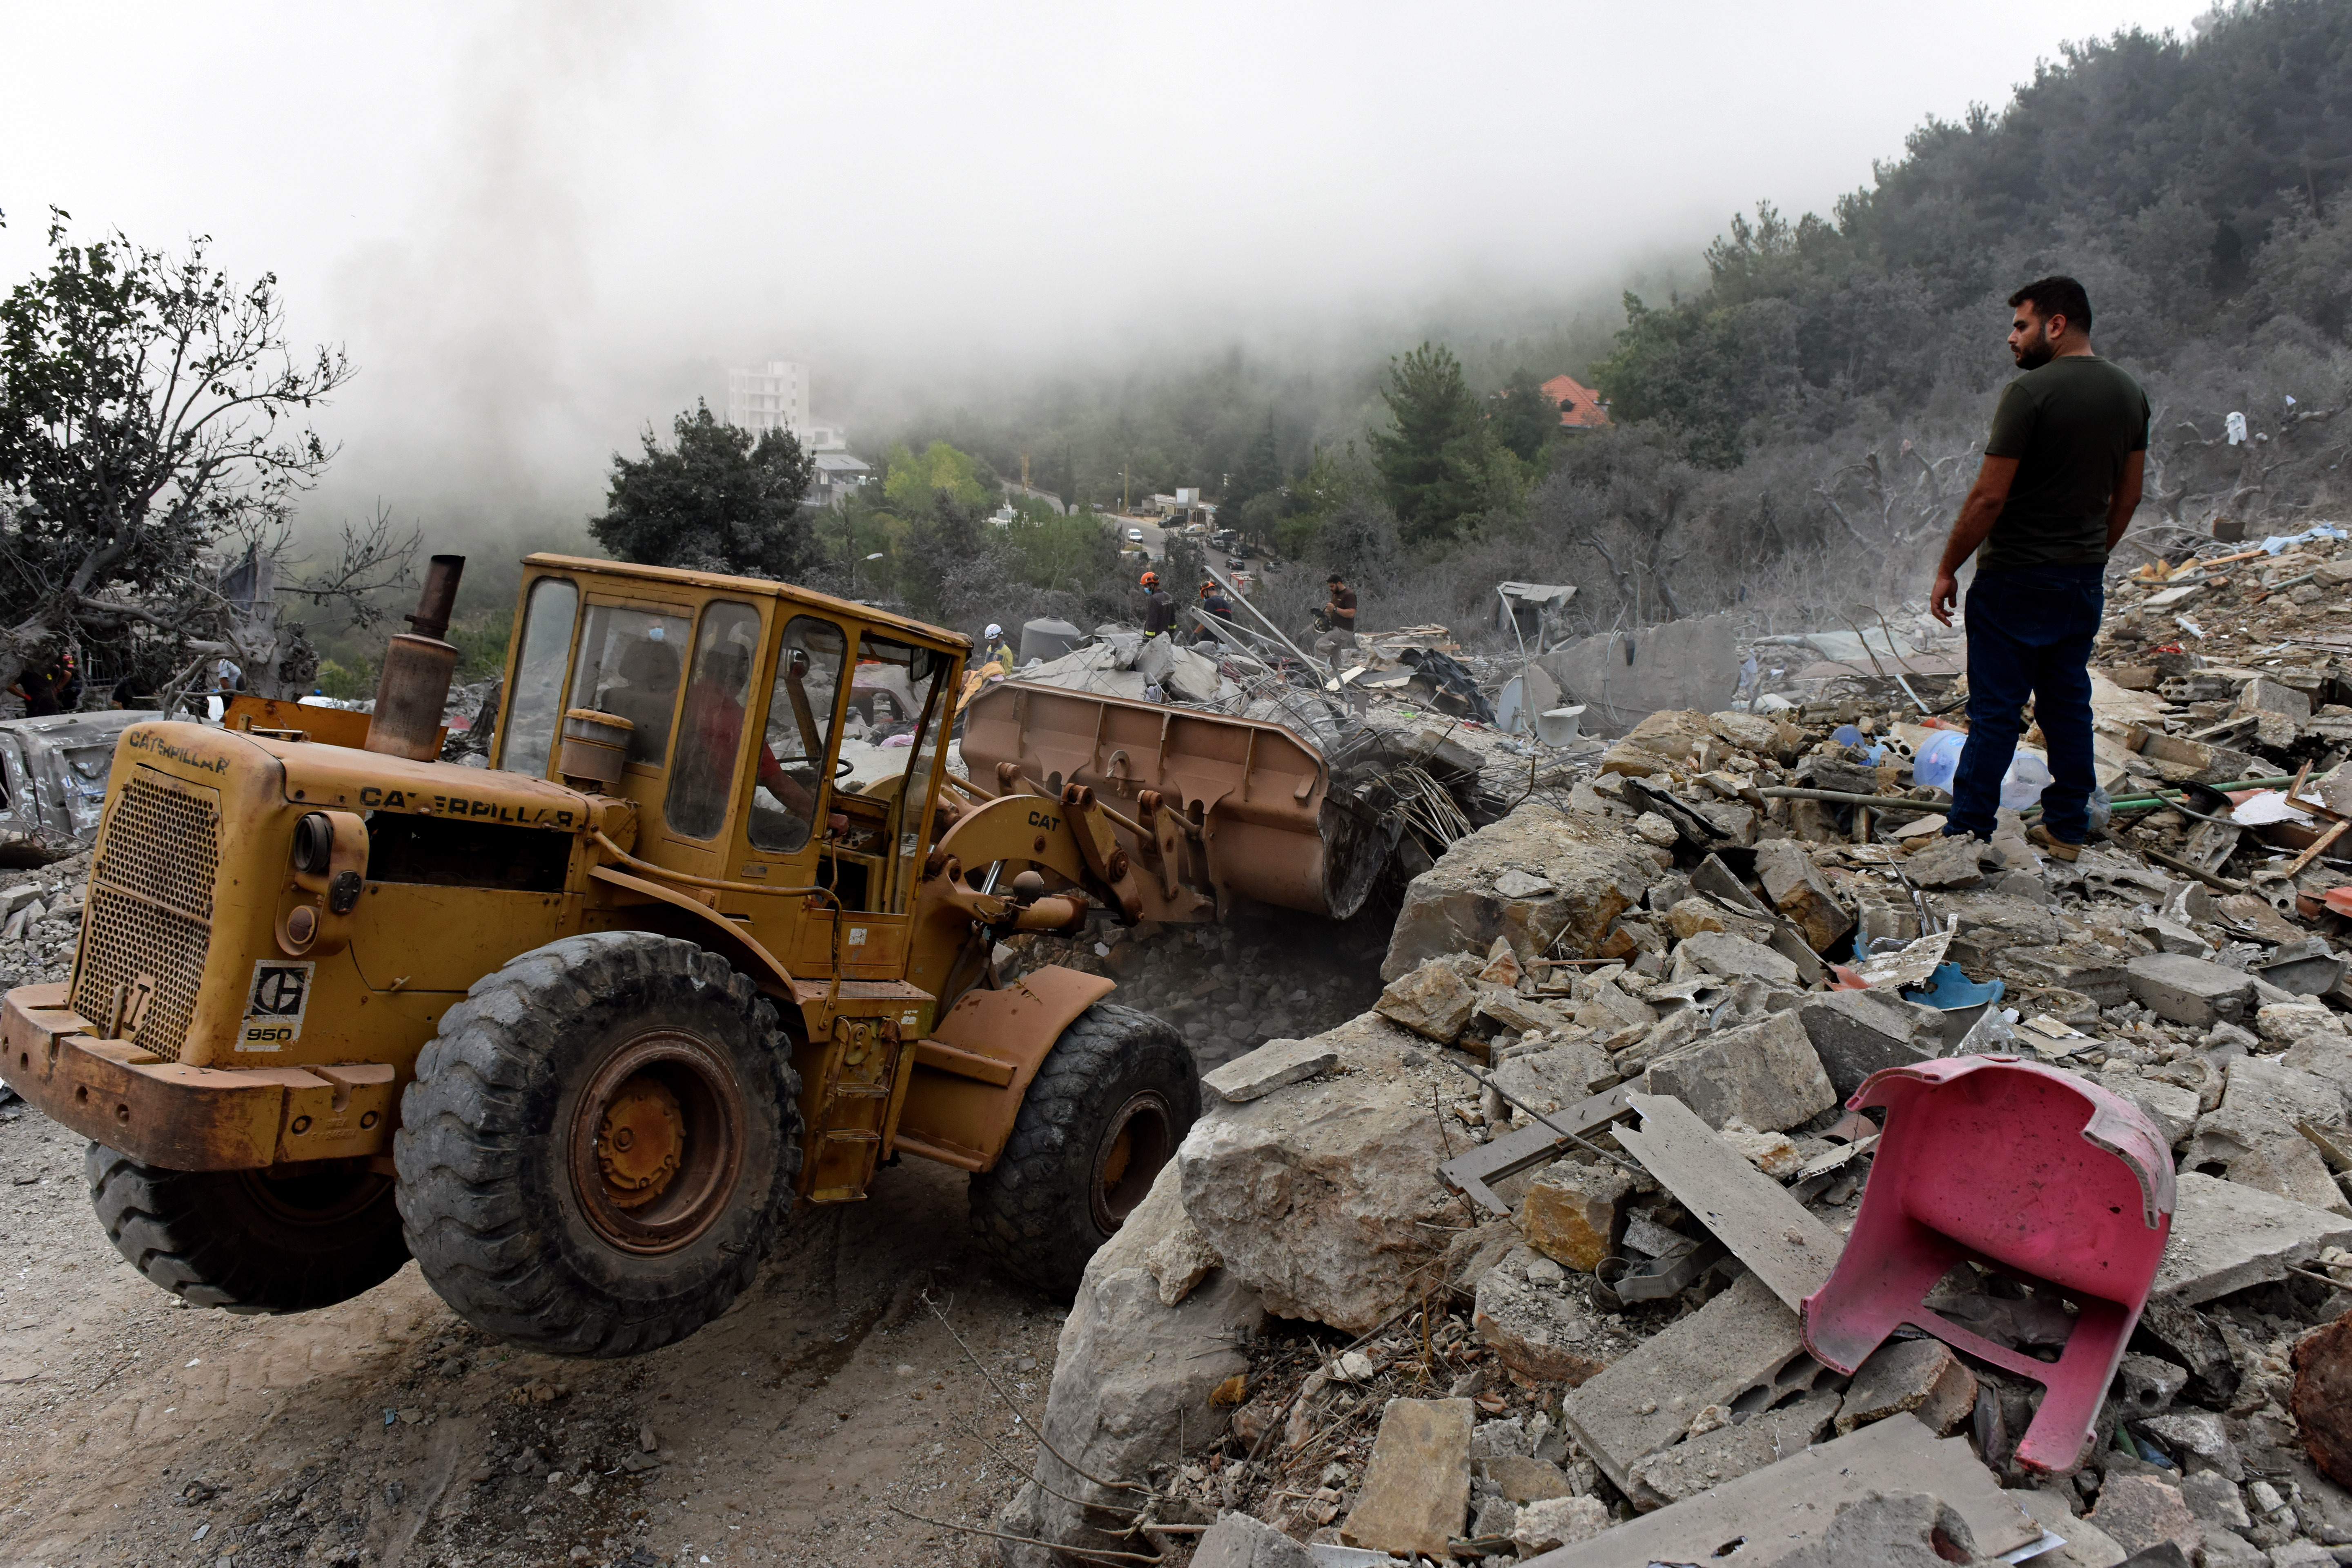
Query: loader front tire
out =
(1115, 1096)
(248, 1241)
(599, 1144)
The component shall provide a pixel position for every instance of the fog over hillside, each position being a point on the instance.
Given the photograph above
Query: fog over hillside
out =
(538, 228)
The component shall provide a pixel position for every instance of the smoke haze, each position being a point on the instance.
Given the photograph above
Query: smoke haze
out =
(537, 227)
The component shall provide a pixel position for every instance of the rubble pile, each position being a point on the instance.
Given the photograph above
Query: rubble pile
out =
(1510, 1265)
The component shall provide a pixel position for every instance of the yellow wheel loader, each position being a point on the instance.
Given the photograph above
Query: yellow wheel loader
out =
(580, 1030)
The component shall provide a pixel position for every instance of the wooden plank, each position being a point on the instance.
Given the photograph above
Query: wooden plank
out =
(1748, 1212)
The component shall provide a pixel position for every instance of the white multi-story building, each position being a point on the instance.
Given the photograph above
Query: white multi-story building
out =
(773, 396)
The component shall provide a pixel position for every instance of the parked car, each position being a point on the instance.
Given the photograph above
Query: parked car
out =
(1135, 536)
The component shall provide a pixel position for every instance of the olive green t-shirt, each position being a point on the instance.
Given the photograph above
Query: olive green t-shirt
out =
(2071, 425)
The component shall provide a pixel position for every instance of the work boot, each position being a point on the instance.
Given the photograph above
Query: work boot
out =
(2042, 837)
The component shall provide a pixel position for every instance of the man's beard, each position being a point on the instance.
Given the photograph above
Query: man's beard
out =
(2036, 353)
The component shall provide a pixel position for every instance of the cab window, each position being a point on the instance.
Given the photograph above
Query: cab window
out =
(536, 703)
(631, 661)
(920, 674)
(800, 727)
(710, 729)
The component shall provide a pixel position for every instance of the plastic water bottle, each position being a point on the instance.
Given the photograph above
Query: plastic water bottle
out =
(1938, 756)
(2028, 776)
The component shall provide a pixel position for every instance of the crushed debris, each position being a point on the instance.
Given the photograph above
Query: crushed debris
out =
(1539, 1232)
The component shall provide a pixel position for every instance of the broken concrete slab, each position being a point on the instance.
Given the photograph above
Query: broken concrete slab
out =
(1953, 860)
(2226, 1237)
(2087, 1546)
(1764, 1074)
(1736, 958)
(1456, 906)
(2254, 1136)
(2140, 1512)
(1789, 1248)
(1416, 1489)
(1857, 1032)
(2291, 1023)
(1917, 1377)
(1890, 1529)
(1574, 1212)
(2173, 1109)
(1238, 1540)
(1732, 1450)
(1324, 1197)
(1435, 1000)
(1277, 1064)
(1743, 1339)
(1541, 1321)
(1783, 1507)
(2191, 991)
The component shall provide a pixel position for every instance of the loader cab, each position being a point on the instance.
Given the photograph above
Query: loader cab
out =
(734, 693)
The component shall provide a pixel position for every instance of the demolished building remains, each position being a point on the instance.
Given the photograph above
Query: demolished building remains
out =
(1541, 1255)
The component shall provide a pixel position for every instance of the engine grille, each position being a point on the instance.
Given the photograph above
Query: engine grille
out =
(151, 905)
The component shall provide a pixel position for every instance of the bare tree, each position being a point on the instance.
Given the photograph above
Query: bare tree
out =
(150, 415)
(1890, 506)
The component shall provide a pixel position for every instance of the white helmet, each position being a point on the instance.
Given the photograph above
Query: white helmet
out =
(993, 630)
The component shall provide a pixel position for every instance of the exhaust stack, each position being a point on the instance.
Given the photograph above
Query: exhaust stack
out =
(417, 666)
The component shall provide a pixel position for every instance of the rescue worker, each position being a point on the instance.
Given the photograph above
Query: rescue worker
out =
(1214, 603)
(1000, 652)
(1158, 608)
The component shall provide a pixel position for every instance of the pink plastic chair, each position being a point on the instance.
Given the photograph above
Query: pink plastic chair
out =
(2003, 1162)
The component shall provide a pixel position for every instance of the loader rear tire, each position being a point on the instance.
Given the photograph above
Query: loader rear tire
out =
(599, 1144)
(248, 1241)
(1115, 1096)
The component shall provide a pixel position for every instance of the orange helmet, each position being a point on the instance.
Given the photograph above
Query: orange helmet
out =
(1150, 580)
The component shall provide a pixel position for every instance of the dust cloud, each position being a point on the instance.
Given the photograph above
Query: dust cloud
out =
(539, 227)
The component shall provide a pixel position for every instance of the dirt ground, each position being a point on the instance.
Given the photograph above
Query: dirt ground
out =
(384, 1431)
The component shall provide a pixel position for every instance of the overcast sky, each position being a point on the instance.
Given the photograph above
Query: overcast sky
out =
(537, 226)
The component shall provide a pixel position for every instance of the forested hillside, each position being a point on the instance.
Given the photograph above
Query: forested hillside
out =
(1798, 431)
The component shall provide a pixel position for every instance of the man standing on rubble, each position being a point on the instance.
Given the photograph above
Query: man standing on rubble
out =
(2060, 482)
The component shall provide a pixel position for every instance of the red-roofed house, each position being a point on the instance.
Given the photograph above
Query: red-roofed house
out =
(1579, 407)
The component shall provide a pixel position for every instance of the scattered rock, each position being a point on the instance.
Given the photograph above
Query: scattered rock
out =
(1554, 1522)
(1574, 1212)
(1416, 1491)
(1765, 1074)
(2140, 1512)
(2321, 1397)
(2191, 991)
(1324, 1197)
(1436, 1000)
(1237, 1541)
(1857, 1032)
(1542, 1328)
(1459, 905)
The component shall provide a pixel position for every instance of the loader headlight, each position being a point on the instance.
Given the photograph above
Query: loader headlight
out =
(314, 844)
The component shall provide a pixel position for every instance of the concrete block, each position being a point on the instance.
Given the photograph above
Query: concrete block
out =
(2288, 1023)
(1921, 1377)
(1573, 1214)
(1765, 1074)
(2216, 1501)
(1710, 1458)
(1743, 1339)
(2167, 1105)
(1857, 1032)
(2087, 1546)
(1416, 1491)
(2254, 1138)
(2191, 991)
(2226, 1237)
(1275, 1065)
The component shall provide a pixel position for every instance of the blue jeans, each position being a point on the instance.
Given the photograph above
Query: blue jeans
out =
(2030, 633)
